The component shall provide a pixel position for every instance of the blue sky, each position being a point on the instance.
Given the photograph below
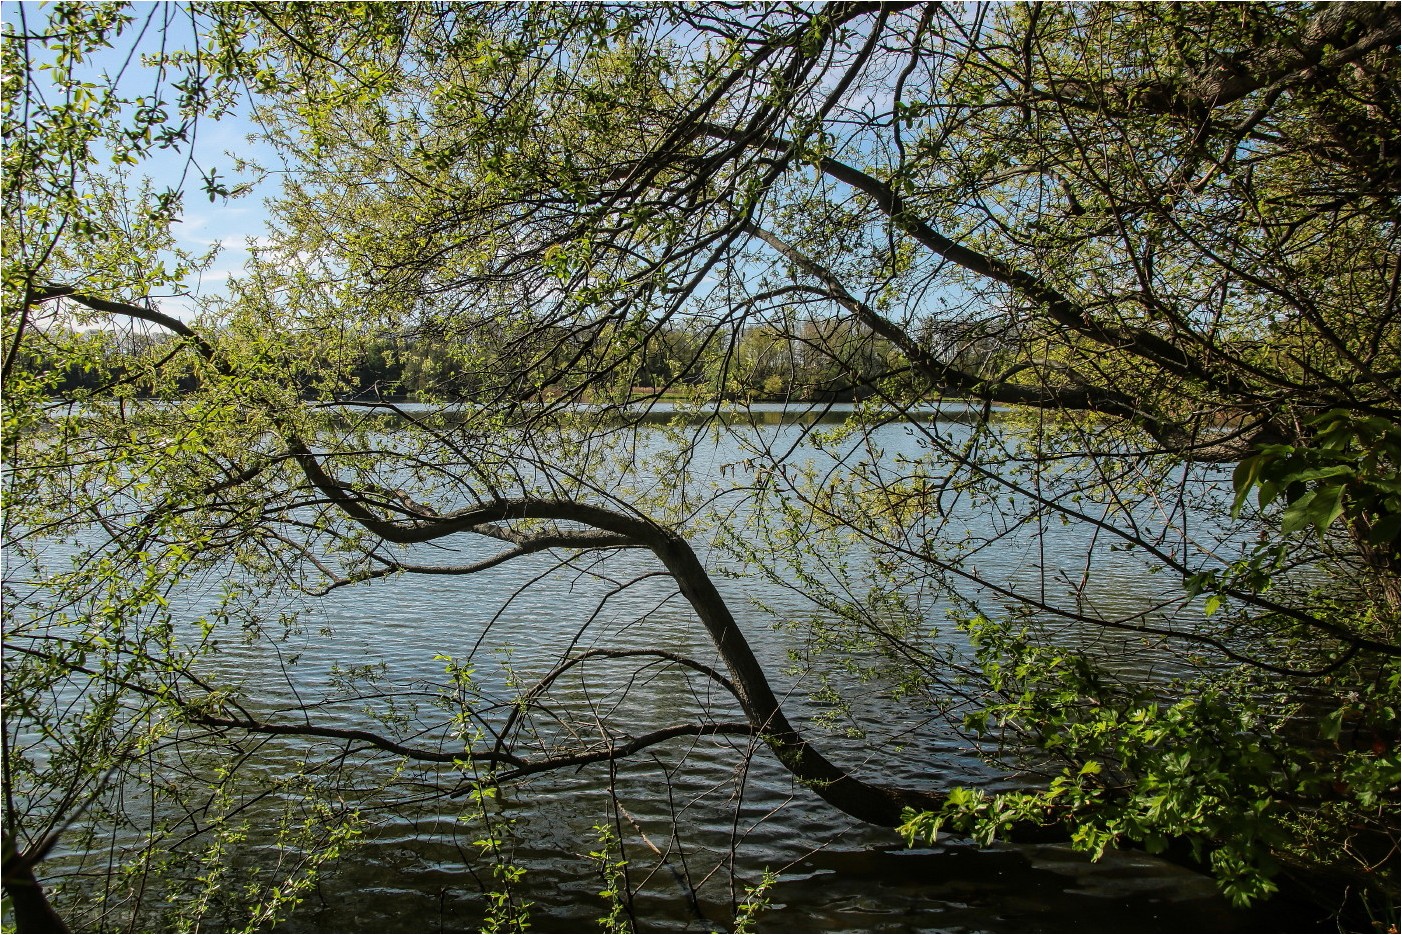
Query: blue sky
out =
(228, 224)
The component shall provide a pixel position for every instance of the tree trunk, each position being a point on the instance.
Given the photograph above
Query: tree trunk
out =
(31, 907)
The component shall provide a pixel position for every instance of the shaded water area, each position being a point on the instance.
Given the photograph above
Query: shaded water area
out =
(697, 819)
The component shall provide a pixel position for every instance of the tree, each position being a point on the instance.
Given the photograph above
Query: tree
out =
(1162, 239)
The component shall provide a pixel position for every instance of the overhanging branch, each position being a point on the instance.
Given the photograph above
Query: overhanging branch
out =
(1058, 306)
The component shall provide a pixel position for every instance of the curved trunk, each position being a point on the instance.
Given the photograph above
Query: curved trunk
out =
(31, 907)
(880, 805)
(870, 802)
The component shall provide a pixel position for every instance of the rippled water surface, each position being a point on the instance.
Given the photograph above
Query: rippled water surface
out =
(698, 819)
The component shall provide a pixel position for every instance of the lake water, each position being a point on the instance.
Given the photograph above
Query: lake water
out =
(698, 819)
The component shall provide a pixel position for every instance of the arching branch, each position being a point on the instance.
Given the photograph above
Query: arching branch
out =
(949, 378)
(945, 375)
(627, 748)
(525, 545)
(1058, 306)
(97, 303)
(876, 804)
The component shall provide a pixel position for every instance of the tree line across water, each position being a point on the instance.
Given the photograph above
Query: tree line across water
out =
(816, 361)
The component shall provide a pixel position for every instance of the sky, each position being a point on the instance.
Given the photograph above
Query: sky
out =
(230, 224)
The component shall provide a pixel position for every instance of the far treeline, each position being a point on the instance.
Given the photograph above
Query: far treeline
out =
(815, 360)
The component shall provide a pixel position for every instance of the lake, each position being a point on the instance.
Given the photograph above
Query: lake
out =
(698, 819)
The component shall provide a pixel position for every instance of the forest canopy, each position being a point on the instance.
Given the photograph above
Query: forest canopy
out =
(1146, 252)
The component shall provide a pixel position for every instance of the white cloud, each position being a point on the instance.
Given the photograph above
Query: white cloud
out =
(209, 277)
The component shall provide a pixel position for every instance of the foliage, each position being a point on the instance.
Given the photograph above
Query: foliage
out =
(506, 910)
(1349, 471)
(756, 901)
(1146, 257)
(1216, 765)
(614, 893)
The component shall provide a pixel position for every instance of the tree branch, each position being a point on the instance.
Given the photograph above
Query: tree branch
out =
(1349, 30)
(1059, 307)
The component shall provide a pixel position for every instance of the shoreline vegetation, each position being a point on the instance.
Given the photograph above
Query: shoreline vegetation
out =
(754, 366)
(1160, 240)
